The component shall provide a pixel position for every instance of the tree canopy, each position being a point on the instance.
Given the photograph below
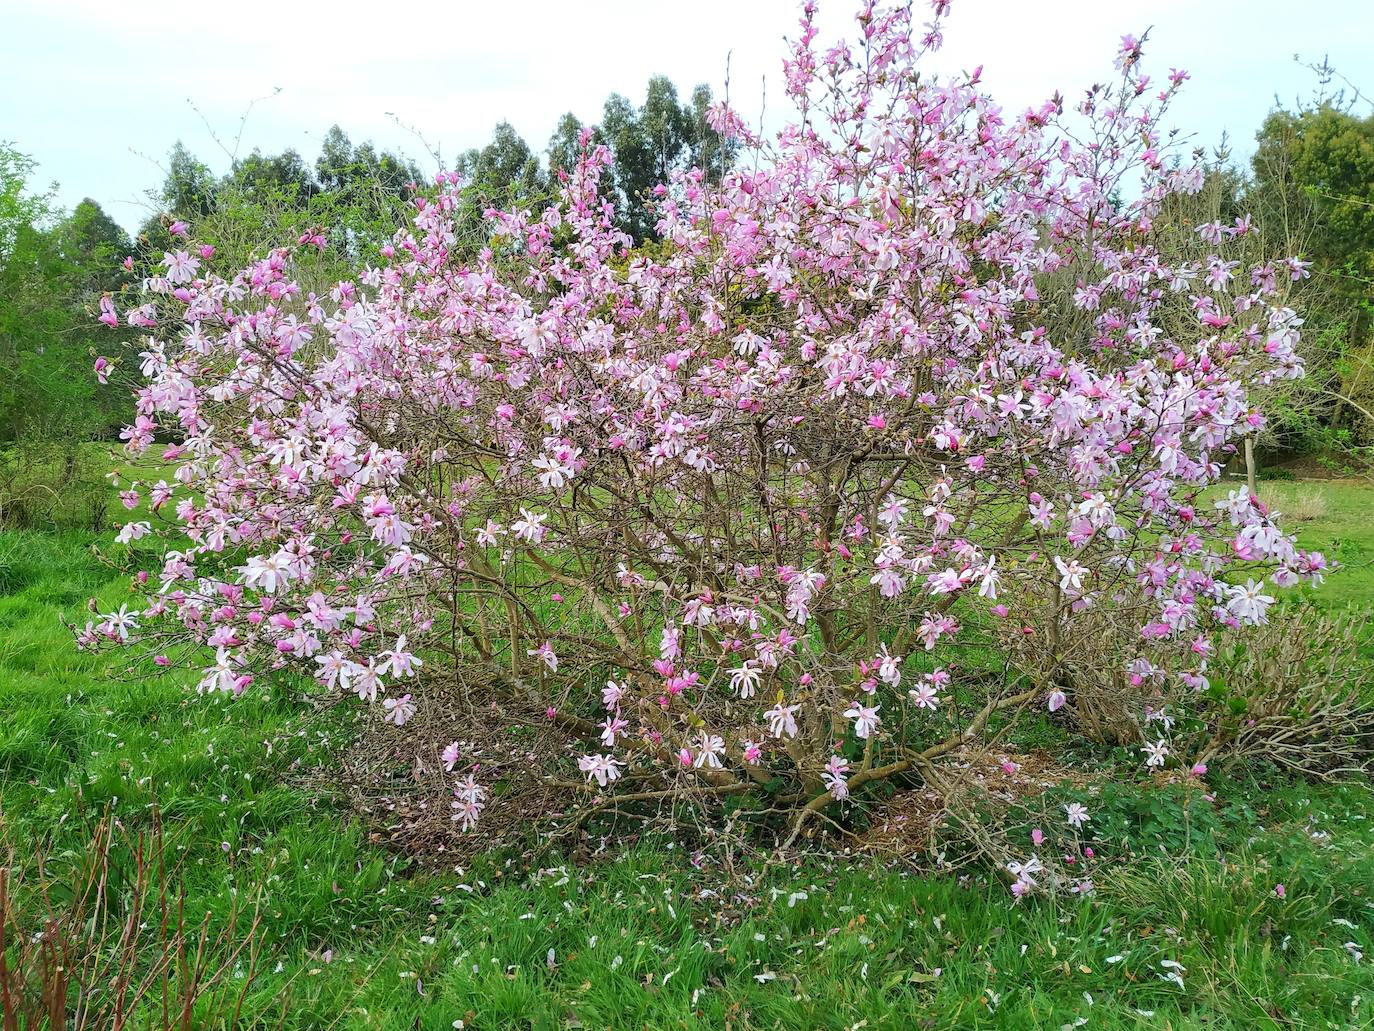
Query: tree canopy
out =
(54, 267)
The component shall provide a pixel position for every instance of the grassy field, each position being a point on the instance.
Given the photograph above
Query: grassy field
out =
(357, 938)
(1336, 517)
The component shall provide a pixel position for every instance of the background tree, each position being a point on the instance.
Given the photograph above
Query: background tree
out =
(95, 244)
(361, 191)
(1313, 184)
(53, 270)
(648, 145)
(713, 153)
(31, 318)
(504, 173)
(342, 166)
(564, 145)
(285, 177)
(350, 197)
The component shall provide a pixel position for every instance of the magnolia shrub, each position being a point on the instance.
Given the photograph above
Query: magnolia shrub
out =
(919, 380)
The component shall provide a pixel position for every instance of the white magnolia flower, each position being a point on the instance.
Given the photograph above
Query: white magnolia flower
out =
(782, 720)
(267, 572)
(601, 768)
(1026, 871)
(1155, 753)
(865, 717)
(530, 526)
(553, 474)
(889, 667)
(711, 749)
(220, 676)
(1071, 574)
(744, 680)
(1249, 604)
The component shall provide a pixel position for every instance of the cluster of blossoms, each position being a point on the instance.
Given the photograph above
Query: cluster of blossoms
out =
(1027, 874)
(914, 377)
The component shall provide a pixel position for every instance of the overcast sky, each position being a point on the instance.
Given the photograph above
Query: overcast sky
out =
(98, 92)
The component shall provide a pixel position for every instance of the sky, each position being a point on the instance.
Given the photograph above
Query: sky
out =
(98, 92)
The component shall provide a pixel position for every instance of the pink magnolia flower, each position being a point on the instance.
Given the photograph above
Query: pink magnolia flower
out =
(834, 777)
(398, 710)
(134, 531)
(545, 654)
(450, 756)
(924, 695)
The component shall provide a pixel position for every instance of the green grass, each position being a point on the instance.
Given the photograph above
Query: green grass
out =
(647, 939)
(1343, 530)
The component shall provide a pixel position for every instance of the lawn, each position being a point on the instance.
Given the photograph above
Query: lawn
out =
(1191, 933)
(1337, 518)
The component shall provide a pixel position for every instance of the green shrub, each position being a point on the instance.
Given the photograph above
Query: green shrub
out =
(52, 484)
